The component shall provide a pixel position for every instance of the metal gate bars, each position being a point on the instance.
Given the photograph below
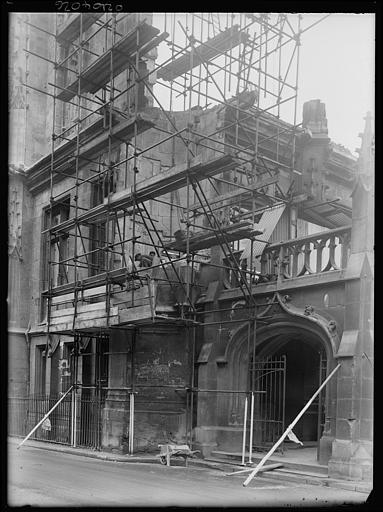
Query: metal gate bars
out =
(268, 375)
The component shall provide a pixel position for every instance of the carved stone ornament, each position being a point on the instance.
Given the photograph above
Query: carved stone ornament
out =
(332, 325)
(309, 310)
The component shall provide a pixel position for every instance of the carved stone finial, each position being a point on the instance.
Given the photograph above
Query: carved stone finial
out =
(332, 325)
(314, 117)
(309, 310)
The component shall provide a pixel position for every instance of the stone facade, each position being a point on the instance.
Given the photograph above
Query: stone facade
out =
(327, 312)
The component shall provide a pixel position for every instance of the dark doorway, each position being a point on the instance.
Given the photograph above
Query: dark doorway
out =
(303, 362)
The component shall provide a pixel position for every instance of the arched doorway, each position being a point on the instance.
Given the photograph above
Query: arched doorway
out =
(296, 354)
(295, 365)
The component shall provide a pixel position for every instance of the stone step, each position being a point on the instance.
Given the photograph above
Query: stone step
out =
(302, 473)
(296, 477)
(295, 466)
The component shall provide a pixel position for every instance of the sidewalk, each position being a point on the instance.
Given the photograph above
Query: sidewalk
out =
(103, 455)
(363, 487)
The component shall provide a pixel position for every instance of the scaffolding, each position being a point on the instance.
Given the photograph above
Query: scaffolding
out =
(199, 97)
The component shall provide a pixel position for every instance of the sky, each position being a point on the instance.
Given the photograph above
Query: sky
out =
(336, 65)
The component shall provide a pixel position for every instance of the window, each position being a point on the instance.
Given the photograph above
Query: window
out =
(55, 249)
(97, 232)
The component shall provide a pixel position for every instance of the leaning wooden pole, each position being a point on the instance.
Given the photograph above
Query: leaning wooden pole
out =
(289, 428)
(45, 417)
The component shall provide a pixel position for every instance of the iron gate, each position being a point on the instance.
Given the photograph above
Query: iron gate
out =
(269, 376)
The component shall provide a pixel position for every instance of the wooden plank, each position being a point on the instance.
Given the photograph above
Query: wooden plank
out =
(80, 309)
(118, 275)
(61, 319)
(210, 49)
(129, 302)
(235, 193)
(85, 324)
(205, 240)
(128, 315)
(97, 74)
(86, 294)
(64, 155)
(91, 315)
(173, 179)
(126, 295)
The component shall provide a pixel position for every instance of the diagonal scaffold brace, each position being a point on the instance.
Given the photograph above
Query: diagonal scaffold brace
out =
(45, 417)
(289, 428)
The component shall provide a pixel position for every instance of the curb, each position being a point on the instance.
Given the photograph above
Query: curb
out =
(325, 482)
(111, 457)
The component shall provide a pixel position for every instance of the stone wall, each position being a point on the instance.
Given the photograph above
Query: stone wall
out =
(162, 362)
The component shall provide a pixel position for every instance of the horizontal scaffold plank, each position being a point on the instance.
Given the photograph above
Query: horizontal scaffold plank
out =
(116, 276)
(128, 315)
(142, 295)
(226, 198)
(81, 317)
(85, 308)
(207, 51)
(205, 240)
(158, 185)
(84, 324)
(64, 156)
(99, 73)
(84, 294)
(70, 29)
(88, 312)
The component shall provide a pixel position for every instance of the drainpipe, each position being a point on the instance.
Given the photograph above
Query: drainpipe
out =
(28, 343)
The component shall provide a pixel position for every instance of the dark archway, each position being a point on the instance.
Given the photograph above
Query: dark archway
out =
(304, 361)
(307, 343)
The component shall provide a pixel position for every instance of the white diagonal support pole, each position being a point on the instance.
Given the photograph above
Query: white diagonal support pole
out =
(244, 433)
(45, 417)
(251, 427)
(290, 427)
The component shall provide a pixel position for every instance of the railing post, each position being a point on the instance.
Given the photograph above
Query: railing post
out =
(75, 417)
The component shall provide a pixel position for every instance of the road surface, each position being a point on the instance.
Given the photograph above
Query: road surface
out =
(41, 477)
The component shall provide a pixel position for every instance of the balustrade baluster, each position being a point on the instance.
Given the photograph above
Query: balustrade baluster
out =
(306, 262)
(283, 259)
(280, 262)
(296, 252)
(319, 245)
(332, 246)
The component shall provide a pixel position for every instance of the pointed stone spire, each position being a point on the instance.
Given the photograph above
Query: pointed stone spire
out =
(367, 149)
(362, 239)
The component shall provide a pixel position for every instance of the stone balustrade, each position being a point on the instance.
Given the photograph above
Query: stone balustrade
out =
(313, 254)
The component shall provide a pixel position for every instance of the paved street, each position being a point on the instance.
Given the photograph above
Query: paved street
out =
(46, 478)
